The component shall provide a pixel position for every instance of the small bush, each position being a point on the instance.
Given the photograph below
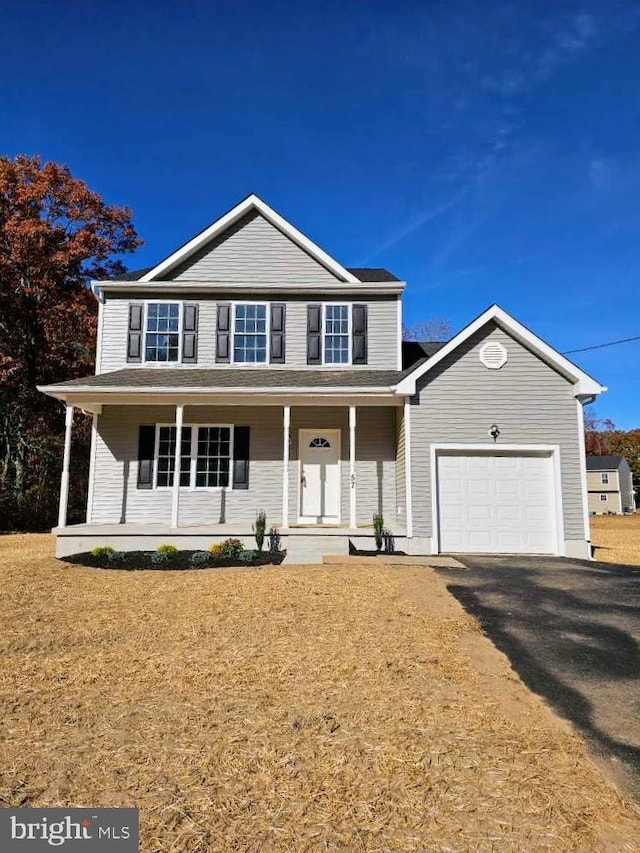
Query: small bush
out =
(166, 549)
(103, 551)
(248, 556)
(116, 558)
(216, 550)
(259, 528)
(378, 530)
(232, 547)
(274, 541)
(160, 558)
(200, 558)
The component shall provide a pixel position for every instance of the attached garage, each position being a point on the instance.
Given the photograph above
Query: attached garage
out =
(497, 501)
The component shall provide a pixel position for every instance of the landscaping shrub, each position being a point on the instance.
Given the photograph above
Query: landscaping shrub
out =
(217, 549)
(232, 547)
(160, 558)
(274, 541)
(378, 529)
(200, 558)
(259, 528)
(249, 557)
(166, 549)
(102, 551)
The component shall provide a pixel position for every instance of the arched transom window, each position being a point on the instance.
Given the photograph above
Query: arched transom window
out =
(319, 442)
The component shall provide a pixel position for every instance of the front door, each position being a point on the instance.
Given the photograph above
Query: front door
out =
(319, 476)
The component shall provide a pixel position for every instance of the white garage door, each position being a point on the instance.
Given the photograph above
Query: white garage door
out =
(496, 504)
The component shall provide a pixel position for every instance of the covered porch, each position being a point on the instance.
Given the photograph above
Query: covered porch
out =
(320, 466)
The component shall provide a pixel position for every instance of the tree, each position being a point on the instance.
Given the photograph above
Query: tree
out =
(603, 439)
(55, 235)
(433, 329)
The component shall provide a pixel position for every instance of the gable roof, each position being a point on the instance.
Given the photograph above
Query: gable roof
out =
(363, 274)
(247, 205)
(584, 384)
(604, 463)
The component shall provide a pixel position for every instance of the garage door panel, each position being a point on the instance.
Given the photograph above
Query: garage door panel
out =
(496, 504)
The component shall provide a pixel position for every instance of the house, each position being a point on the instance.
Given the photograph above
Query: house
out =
(610, 485)
(272, 377)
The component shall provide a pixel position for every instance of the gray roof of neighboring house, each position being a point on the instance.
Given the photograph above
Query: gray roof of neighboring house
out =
(225, 377)
(604, 463)
(364, 274)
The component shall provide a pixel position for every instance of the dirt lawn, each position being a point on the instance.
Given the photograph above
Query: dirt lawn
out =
(617, 538)
(337, 708)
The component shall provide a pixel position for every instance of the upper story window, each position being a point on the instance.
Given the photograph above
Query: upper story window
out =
(162, 332)
(250, 334)
(605, 479)
(336, 334)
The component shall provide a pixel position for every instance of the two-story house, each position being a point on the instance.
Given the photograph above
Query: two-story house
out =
(269, 376)
(610, 485)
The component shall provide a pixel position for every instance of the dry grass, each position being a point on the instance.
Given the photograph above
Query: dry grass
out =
(283, 709)
(617, 538)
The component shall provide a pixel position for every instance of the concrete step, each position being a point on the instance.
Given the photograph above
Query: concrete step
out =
(311, 550)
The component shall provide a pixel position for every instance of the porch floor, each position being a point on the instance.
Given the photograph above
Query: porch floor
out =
(243, 528)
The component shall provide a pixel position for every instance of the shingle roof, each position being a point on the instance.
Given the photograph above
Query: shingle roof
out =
(603, 463)
(226, 377)
(364, 274)
(414, 352)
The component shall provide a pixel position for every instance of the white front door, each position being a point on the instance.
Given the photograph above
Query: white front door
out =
(319, 453)
(495, 504)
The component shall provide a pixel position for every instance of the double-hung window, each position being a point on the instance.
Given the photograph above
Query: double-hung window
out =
(205, 456)
(605, 479)
(250, 334)
(603, 498)
(336, 334)
(162, 331)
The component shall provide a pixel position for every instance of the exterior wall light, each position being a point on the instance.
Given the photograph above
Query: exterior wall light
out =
(494, 432)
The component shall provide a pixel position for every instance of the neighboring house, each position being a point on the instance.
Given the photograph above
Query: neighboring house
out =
(273, 378)
(610, 484)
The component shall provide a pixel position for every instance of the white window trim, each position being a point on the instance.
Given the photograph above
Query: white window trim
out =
(194, 460)
(604, 478)
(604, 498)
(267, 333)
(144, 330)
(349, 306)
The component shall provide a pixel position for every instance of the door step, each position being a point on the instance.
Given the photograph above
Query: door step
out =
(310, 549)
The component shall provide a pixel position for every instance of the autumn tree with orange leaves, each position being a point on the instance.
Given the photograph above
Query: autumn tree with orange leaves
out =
(55, 235)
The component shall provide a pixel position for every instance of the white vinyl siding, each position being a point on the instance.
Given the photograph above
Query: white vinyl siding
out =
(527, 399)
(253, 250)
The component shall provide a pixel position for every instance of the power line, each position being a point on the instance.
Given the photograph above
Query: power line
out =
(601, 346)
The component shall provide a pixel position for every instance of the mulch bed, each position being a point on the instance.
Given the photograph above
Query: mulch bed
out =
(180, 560)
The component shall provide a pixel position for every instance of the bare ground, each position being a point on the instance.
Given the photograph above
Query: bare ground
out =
(339, 708)
(616, 538)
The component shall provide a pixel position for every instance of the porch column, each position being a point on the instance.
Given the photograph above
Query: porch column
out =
(64, 482)
(285, 465)
(175, 505)
(352, 466)
(407, 467)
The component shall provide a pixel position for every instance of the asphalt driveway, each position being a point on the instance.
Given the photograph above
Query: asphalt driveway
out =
(571, 630)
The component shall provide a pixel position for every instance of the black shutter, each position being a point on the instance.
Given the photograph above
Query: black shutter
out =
(134, 340)
(146, 454)
(241, 457)
(190, 333)
(277, 342)
(359, 334)
(223, 350)
(314, 334)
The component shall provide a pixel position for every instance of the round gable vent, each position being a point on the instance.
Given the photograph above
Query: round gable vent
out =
(493, 355)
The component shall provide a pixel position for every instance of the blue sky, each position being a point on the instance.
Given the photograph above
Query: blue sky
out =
(483, 152)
